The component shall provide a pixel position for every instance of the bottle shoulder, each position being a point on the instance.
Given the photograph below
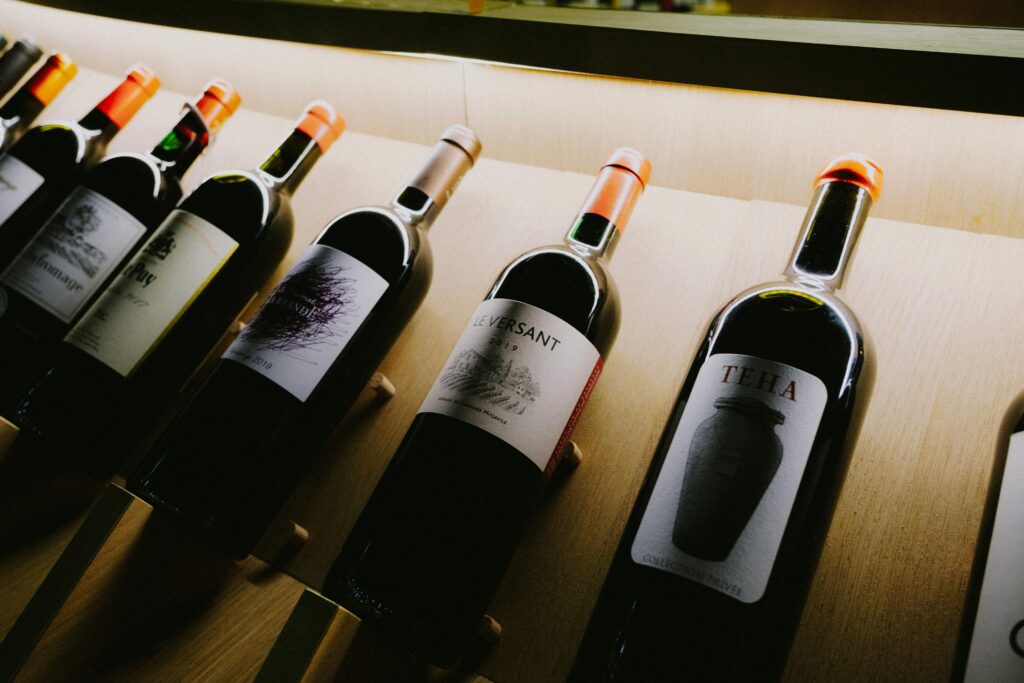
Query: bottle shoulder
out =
(790, 295)
(574, 286)
(800, 326)
(562, 259)
(379, 238)
(239, 200)
(51, 142)
(131, 175)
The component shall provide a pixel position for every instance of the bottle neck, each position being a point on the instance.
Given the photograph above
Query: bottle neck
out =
(98, 127)
(593, 235)
(830, 230)
(429, 189)
(20, 110)
(16, 62)
(183, 144)
(288, 165)
(415, 207)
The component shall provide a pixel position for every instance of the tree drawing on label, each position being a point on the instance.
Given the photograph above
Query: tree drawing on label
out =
(310, 308)
(498, 381)
(68, 237)
(733, 457)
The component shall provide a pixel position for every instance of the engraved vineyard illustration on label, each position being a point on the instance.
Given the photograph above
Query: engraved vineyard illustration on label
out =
(492, 378)
(67, 234)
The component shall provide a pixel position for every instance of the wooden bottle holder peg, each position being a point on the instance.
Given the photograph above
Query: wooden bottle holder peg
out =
(382, 386)
(572, 456)
(236, 328)
(285, 540)
(489, 631)
(8, 433)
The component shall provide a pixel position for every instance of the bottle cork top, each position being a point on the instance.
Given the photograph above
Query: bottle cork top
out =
(633, 161)
(322, 123)
(145, 78)
(28, 48)
(52, 76)
(853, 168)
(465, 138)
(219, 101)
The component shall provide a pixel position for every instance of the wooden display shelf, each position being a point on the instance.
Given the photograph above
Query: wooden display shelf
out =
(933, 281)
(133, 597)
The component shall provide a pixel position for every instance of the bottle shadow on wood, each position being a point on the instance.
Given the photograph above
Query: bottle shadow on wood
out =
(134, 599)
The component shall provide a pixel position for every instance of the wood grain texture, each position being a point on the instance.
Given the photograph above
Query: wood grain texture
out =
(151, 604)
(732, 171)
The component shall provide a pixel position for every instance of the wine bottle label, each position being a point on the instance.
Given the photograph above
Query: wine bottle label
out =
(520, 373)
(152, 292)
(18, 181)
(997, 642)
(308, 319)
(724, 494)
(74, 253)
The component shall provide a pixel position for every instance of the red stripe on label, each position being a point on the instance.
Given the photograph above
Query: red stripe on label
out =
(556, 457)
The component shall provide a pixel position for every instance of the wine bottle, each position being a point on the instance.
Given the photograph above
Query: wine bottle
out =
(712, 570)
(429, 549)
(16, 62)
(83, 246)
(41, 168)
(233, 455)
(135, 347)
(22, 108)
(990, 648)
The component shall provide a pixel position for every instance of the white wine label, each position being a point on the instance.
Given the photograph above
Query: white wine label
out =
(308, 319)
(996, 654)
(74, 253)
(520, 373)
(18, 181)
(152, 292)
(725, 492)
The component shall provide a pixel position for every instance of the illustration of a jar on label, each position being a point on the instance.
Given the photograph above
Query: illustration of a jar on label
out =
(733, 458)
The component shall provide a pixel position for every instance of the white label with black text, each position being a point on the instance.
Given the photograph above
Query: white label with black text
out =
(308, 319)
(725, 491)
(152, 291)
(521, 374)
(74, 253)
(18, 181)
(996, 654)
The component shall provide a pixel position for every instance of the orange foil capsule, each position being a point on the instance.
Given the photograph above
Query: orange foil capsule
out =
(56, 72)
(619, 184)
(219, 101)
(138, 86)
(322, 123)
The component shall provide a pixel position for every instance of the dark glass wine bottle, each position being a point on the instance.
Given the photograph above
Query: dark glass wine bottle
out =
(135, 347)
(16, 62)
(229, 461)
(991, 643)
(429, 549)
(41, 168)
(713, 567)
(22, 108)
(83, 246)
